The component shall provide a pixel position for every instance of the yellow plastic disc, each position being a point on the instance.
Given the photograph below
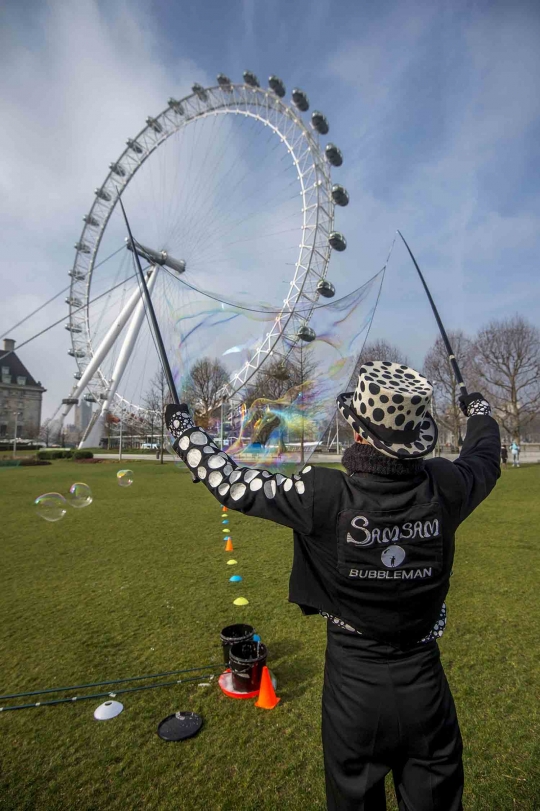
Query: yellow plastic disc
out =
(241, 601)
(230, 562)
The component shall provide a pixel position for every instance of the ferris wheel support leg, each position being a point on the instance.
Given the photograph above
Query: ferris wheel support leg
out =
(92, 438)
(105, 346)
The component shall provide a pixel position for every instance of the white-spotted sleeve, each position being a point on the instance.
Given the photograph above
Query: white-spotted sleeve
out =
(285, 500)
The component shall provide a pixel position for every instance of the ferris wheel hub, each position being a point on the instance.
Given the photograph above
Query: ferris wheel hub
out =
(158, 257)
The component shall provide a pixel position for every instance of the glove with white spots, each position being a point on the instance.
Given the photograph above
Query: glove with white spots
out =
(473, 404)
(178, 419)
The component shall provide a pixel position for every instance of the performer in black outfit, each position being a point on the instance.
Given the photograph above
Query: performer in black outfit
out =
(373, 553)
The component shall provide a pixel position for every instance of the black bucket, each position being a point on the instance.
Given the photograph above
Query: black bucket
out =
(247, 660)
(233, 634)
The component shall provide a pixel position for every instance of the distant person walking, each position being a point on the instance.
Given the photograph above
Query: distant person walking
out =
(514, 447)
(504, 455)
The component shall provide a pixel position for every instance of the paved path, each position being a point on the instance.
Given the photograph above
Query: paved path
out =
(323, 458)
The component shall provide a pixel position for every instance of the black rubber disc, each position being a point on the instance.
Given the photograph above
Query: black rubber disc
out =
(180, 726)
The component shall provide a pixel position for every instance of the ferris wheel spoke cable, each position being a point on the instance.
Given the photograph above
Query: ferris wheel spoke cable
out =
(195, 207)
(229, 191)
(107, 304)
(217, 202)
(228, 226)
(41, 306)
(212, 238)
(225, 226)
(55, 323)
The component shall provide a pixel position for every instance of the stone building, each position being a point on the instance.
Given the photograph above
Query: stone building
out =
(20, 397)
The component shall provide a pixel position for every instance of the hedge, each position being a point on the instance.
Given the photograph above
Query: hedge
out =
(59, 453)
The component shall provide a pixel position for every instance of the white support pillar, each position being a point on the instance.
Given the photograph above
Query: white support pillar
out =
(91, 439)
(105, 346)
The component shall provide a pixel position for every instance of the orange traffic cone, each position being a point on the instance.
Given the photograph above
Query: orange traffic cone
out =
(267, 695)
(229, 546)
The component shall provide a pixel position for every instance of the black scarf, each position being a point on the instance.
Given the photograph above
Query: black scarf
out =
(363, 458)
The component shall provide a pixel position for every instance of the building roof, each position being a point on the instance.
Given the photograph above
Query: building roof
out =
(17, 369)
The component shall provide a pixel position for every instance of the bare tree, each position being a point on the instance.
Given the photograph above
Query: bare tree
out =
(46, 431)
(446, 391)
(377, 350)
(278, 384)
(206, 378)
(276, 377)
(156, 398)
(507, 361)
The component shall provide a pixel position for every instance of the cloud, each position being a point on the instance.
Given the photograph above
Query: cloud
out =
(446, 150)
(73, 89)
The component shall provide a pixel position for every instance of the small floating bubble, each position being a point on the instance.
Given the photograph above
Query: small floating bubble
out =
(51, 506)
(125, 478)
(80, 495)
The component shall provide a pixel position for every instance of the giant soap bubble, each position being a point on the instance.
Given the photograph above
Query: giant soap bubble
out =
(277, 416)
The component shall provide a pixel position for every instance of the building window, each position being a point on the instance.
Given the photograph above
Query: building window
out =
(6, 379)
(5, 370)
(21, 381)
(3, 430)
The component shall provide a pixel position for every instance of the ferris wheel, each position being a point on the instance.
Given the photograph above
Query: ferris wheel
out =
(208, 184)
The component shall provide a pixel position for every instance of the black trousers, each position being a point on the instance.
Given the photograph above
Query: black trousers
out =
(388, 710)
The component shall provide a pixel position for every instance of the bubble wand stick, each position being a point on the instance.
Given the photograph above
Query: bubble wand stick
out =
(150, 309)
(451, 356)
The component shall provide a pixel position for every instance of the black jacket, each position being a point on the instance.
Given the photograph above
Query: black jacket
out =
(376, 551)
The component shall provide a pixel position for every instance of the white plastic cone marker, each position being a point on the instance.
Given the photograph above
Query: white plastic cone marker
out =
(110, 709)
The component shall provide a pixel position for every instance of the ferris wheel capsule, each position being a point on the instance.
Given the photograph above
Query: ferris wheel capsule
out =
(103, 195)
(82, 247)
(251, 79)
(224, 81)
(200, 92)
(306, 334)
(300, 100)
(319, 122)
(117, 169)
(134, 146)
(326, 288)
(337, 241)
(340, 195)
(154, 124)
(333, 155)
(277, 86)
(175, 106)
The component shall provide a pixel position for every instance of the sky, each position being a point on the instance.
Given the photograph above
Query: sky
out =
(435, 107)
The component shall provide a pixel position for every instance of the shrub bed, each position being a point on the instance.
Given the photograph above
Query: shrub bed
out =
(57, 453)
(82, 454)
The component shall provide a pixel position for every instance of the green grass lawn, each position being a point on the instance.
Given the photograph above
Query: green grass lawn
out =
(137, 583)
